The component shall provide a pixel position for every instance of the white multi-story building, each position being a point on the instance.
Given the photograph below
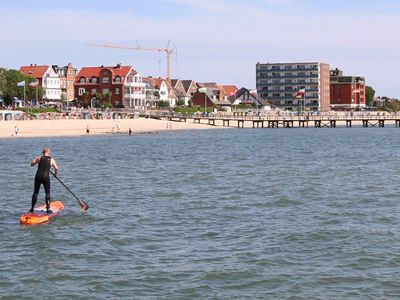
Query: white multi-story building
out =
(281, 82)
(134, 96)
(47, 78)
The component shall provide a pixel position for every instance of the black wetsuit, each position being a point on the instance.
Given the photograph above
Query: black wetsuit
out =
(42, 177)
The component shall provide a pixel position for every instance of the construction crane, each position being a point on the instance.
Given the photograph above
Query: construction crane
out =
(168, 51)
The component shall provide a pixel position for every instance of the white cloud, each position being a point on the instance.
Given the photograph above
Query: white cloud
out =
(205, 5)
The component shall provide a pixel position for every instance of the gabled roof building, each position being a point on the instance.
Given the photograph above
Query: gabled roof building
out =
(47, 78)
(123, 83)
(67, 78)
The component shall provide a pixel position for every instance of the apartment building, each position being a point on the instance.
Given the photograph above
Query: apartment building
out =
(280, 84)
(123, 82)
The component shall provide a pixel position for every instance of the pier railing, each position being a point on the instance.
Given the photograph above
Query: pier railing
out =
(358, 117)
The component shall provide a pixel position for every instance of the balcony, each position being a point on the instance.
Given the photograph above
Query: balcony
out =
(135, 84)
(288, 91)
(134, 96)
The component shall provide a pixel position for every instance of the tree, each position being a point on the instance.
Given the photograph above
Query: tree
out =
(392, 106)
(180, 102)
(32, 91)
(369, 95)
(85, 101)
(163, 103)
(99, 100)
(62, 99)
(9, 88)
(107, 100)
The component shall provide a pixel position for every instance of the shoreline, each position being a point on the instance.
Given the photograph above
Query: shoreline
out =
(105, 127)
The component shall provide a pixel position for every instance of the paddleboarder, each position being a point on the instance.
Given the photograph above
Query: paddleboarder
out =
(46, 162)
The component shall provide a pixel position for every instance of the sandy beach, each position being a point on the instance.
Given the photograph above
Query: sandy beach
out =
(47, 128)
(77, 127)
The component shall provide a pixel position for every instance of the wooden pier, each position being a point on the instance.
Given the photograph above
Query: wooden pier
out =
(290, 121)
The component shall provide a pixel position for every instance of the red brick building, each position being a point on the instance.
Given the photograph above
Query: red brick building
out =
(67, 78)
(123, 82)
(347, 92)
(324, 85)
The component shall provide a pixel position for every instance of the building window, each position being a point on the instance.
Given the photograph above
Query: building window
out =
(82, 80)
(105, 80)
(118, 79)
(94, 79)
(81, 91)
(116, 91)
(94, 91)
(105, 91)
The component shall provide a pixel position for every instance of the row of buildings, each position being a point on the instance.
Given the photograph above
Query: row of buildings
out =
(289, 86)
(128, 88)
(309, 86)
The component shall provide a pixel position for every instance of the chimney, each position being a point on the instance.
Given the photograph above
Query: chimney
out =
(119, 65)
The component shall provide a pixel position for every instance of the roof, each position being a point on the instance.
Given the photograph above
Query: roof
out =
(154, 82)
(213, 85)
(34, 70)
(230, 90)
(122, 71)
(252, 97)
(174, 82)
(186, 84)
(178, 93)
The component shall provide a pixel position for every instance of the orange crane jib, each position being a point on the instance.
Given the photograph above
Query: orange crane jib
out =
(168, 52)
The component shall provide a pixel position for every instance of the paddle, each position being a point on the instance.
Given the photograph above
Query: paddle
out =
(81, 203)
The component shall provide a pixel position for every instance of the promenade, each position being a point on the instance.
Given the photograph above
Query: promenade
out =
(16, 123)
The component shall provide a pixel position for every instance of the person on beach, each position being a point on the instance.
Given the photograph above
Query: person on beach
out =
(87, 129)
(16, 130)
(43, 176)
(130, 132)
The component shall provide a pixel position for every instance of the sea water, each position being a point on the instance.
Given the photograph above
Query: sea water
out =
(208, 214)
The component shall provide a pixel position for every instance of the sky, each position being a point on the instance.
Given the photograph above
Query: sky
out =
(213, 40)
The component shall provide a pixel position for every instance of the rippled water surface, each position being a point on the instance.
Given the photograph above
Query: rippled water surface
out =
(214, 214)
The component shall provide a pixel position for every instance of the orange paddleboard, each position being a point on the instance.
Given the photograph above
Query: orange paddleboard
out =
(40, 216)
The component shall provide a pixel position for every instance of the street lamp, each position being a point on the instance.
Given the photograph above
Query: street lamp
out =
(204, 90)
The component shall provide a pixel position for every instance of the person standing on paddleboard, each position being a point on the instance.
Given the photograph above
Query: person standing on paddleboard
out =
(43, 176)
